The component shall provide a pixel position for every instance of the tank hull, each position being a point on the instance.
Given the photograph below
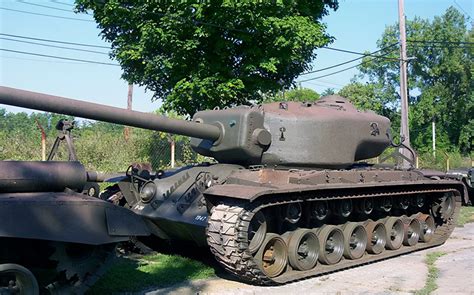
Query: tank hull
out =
(49, 228)
(235, 200)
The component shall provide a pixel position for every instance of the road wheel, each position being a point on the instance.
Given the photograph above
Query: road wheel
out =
(303, 249)
(273, 255)
(331, 244)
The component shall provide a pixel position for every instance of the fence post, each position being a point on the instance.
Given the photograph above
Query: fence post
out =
(447, 161)
(173, 146)
(43, 141)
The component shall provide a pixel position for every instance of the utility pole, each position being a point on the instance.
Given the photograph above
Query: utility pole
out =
(433, 134)
(404, 131)
(126, 131)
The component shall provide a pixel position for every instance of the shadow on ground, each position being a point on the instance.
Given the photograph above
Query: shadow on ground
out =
(169, 264)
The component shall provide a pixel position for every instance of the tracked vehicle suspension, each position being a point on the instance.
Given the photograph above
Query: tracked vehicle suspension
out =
(400, 222)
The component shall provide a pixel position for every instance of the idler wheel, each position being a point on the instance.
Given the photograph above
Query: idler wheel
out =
(395, 233)
(365, 206)
(273, 255)
(427, 227)
(320, 210)
(331, 244)
(385, 204)
(355, 240)
(16, 279)
(376, 237)
(303, 249)
(256, 231)
(412, 232)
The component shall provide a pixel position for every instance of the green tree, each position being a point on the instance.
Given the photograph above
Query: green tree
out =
(328, 91)
(295, 94)
(368, 96)
(440, 79)
(201, 54)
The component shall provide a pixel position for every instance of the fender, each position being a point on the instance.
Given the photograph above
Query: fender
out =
(67, 217)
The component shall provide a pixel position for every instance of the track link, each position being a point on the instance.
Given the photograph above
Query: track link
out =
(229, 222)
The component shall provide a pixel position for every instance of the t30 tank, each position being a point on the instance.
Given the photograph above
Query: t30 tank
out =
(286, 200)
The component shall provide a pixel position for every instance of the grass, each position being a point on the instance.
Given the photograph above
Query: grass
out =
(433, 273)
(466, 215)
(157, 270)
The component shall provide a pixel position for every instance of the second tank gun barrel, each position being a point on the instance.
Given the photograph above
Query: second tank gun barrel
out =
(94, 111)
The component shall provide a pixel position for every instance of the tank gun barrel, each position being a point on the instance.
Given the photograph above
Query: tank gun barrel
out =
(94, 111)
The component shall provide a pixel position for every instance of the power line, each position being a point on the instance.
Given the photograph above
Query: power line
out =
(440, 46)
(60, 57)
(62, 3)
(440, 42)
(54, 46)
(343, 70)
(352, 60)
(42, 60)
(333, 66)
(330, 74)
(462, 9)
(45, 6)
(54, 41)
(328, 83)
(355, 52)
(46, 15)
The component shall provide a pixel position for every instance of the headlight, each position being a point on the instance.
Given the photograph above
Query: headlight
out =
(148, 192)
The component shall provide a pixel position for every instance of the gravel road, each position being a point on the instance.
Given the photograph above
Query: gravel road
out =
(401, 275)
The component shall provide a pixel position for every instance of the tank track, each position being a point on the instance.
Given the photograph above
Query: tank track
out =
(228, 223)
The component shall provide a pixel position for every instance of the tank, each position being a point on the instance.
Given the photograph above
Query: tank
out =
(288, 197)
(466, 175)
(50, 230)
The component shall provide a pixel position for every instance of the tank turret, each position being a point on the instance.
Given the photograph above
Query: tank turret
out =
(289, 134)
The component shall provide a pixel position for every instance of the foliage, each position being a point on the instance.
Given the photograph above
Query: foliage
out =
(295, 94)
(200, 54)
(19, 132)
(440, 160)
(99, 146)
(440, 80)
(367, 96)
(157, 270)
(328, 91)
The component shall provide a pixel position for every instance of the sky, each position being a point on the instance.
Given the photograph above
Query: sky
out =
(356, 26)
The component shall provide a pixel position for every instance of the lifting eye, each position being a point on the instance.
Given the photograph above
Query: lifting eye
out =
(282, 135)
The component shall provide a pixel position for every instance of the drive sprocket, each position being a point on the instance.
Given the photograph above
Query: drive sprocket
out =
(80, 266)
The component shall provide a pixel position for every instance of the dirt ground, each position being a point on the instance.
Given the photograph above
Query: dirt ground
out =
(401, 275)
